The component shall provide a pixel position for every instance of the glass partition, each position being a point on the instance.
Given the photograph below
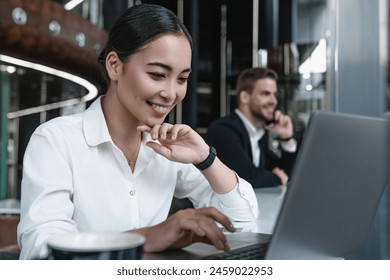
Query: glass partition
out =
(31, 96)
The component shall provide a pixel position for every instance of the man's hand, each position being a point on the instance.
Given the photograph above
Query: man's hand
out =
(281, 174)
(282, 126)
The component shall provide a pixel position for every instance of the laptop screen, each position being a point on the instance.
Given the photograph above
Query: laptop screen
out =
(339, 176)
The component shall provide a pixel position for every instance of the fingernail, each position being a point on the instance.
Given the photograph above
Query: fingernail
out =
(220, 245)
(227, 247)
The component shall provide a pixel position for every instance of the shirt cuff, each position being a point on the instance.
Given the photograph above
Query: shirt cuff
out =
(242, 193)
(290, 146)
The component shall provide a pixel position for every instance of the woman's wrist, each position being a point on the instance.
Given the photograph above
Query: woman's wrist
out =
(208, 160)
(148, 247)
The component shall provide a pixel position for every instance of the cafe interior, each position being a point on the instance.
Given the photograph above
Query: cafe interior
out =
(330, 55)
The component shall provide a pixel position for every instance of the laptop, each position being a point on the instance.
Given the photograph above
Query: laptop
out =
(342, 168)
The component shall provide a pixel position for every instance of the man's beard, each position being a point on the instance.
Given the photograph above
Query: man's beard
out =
(258, 115)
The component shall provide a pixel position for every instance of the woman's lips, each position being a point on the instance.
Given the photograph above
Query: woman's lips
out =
(159, 108)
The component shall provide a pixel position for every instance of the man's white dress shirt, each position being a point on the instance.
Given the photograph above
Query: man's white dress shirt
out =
(256, 134)
(76, 180)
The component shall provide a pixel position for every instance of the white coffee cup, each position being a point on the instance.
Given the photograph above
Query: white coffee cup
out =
(97, 246)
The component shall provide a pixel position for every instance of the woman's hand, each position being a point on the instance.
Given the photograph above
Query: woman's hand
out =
(177, 142)
(186, 227)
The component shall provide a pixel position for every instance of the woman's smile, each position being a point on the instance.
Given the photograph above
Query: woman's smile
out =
(159, 108)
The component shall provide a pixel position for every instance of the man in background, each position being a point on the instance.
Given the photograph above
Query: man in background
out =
(257, 140)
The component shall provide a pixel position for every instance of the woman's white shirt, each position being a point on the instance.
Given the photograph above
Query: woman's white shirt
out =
(76, 180)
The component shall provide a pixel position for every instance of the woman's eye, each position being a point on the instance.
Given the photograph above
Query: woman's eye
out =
(157, 76)
(183, 80)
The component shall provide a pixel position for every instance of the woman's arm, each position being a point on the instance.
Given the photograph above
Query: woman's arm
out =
(182, 144)
(46, 206)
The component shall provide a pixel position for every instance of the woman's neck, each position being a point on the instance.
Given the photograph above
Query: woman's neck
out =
(121, 124)
(123, 129)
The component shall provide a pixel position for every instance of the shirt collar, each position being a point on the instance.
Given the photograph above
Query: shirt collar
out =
(96, 132)
(94, 124)
(253, 132)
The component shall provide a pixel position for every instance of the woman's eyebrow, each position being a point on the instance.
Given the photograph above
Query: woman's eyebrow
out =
(167, 67)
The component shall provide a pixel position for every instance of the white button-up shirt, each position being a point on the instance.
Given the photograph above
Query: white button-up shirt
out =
(255, 135)
(76, 180)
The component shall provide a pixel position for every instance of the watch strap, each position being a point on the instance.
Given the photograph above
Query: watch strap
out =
(208, 161)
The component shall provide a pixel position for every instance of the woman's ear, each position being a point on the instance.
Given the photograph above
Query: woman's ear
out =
(113, 65)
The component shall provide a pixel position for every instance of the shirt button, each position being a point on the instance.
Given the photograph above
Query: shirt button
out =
(132, 193)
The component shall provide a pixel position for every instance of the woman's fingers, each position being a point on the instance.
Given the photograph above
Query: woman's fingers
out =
(144, 128)
(203, 223)
(179, 142)
(218, 217)
(164, 130)
(186, 227)
(161, 131)
(214, 234)
(160, 149)
(207, 230)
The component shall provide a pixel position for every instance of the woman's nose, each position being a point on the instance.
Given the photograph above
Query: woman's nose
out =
(169, 91)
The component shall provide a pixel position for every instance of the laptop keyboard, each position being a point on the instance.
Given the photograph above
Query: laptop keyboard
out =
(250, 252)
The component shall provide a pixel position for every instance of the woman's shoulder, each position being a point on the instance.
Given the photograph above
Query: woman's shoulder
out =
(71, 122)
(62, 124)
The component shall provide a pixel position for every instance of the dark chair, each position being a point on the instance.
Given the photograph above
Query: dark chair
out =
(178, 204)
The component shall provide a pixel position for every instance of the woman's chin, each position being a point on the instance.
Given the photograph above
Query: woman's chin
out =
(154, 121)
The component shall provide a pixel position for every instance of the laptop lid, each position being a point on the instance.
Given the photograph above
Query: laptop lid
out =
(337, 181)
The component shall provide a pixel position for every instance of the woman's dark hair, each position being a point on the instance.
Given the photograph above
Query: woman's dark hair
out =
(247, 79)
(136, 27)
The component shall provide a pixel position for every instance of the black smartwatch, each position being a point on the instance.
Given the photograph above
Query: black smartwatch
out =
(208, 161)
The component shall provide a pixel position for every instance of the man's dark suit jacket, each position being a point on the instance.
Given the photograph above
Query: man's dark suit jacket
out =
(231, 140)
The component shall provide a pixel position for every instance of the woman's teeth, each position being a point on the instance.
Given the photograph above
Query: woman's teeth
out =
(159, 108)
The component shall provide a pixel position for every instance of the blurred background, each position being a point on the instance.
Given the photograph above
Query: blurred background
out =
(329, 54)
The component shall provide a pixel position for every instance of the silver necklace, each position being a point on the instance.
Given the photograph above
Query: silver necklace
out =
(129, 161)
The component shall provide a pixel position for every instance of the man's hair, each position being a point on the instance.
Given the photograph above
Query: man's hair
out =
(247, 79)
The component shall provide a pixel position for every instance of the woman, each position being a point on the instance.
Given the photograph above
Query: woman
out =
(116, 166)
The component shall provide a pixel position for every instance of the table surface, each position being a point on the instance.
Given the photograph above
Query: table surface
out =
(270, 201)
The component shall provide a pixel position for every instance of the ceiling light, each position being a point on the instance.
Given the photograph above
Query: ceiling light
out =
(92, 90)
(71, 4)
